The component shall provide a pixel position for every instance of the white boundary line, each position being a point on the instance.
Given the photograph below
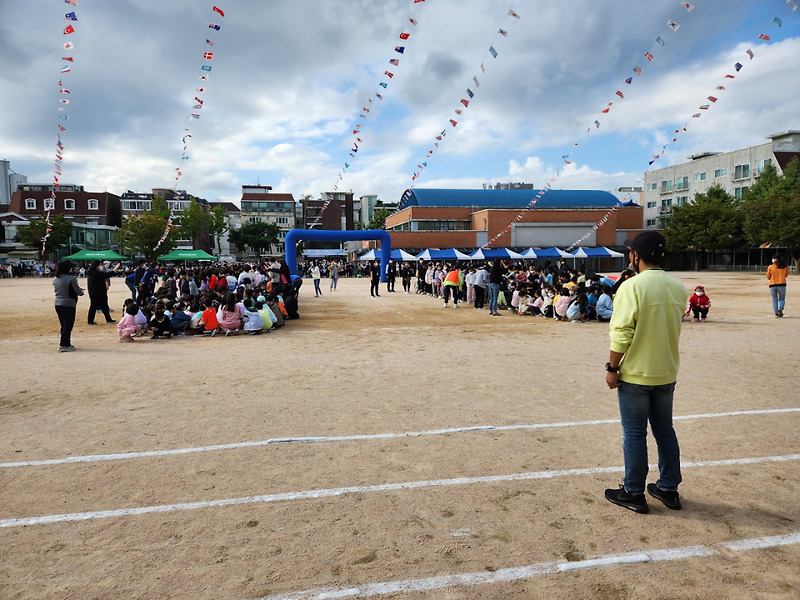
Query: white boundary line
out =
(333, 492)
(533, 570)
(362, 437)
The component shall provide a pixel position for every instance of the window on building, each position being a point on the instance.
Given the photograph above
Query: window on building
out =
(681, 200)
(651, 222)
(760, 165)
(666, 186)
(69, 204)
(652, 204)
(282, 220)
(94, 205)
(49, 204)
(651, 187)
(682, 183)
(254, 220)
(741, 171)
(666, 202)
(699, 176)
(720, 172)
(737, 192)
(30, 204)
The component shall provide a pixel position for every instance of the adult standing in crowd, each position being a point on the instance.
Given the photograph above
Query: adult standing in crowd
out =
(334, 275)
(391, 275)
(67, 290)
(375, 279)
(98, 291)
(777, 273)
(642, 367)
(481, 281)
(496, 276)
(316, 276)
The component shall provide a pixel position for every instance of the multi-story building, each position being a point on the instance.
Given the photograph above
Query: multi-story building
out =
(95, 216)
(260, 205)
(734, 171)
(338, 216)
(9, 181)
(234, 216)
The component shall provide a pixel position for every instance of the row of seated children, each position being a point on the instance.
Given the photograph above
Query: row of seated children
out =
(575, 304)
(215, 313)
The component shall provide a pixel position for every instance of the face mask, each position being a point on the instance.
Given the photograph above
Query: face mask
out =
(699, 293)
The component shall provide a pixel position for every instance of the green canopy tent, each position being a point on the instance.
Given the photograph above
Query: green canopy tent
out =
(187, 255)
(86, 255)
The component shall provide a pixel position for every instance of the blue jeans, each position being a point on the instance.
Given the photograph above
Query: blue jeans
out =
(317, 291)
(639, 404)
(778, 293)
(494, 293)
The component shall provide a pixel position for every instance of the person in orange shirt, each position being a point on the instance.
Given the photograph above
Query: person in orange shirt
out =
(777, 273)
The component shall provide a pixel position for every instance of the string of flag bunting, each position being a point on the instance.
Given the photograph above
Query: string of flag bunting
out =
(64, 93)
(369, 106)
(196, 106)
(711, 99)
(469, 96)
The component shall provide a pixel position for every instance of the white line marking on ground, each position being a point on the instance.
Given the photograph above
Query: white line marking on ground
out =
(529, 571)
(334, 492)
(362, 437)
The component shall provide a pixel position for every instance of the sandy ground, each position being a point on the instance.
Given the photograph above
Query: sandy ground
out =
(321, 514)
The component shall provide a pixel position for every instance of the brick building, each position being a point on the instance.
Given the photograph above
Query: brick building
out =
(435, 218)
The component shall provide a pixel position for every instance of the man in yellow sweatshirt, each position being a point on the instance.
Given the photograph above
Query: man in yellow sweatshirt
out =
(642, 367)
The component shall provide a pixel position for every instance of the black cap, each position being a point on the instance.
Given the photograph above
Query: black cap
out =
(649, 244)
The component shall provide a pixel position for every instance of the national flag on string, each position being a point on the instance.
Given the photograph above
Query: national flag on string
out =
(388, 74)
(64, 101)
(413, 22)
(198, 100)
(777, 21)
(659, 41)
(206, 67)
(704, 107)
(689, 7)
(395, 62)
(750, 54)
(72, 2)
(69, 29)
(218, 10)
(720, 87)
(65, 69)
(399, 49)
(71, 16)
(67, 58)
(672, 25)
(415, 1)
(379, 96)
(483, 69)
(404, 36)
(208, 55)
(477, 83)
(68, 45)
(629, 80)
(511, 13)
(209, 42)
(502, 32)
(492, 51)
(201, 90)
(738, 66)
(649, 56)
(195, 116)
(197, 106)
(213, 26)
(620, 94)
(792, 4)
(203, 77)
(453, 123)
(696, 115)
(64, 91)
(383, 84)
(605, 111)
(465, 102)
(61, 128)
(597, 124)
(458, 111)
(469, 93)
(712, 98)
(730, 77)
(764, 36)
(637, 70)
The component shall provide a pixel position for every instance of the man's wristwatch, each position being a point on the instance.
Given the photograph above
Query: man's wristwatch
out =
(611, 369)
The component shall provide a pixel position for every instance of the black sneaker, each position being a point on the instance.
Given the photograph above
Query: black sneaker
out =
(670, 499)
(622, 498)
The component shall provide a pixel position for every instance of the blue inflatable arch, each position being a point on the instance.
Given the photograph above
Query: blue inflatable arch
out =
(327, 235)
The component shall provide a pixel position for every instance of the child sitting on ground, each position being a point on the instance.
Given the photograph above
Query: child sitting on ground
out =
(253, 323)
(698, 304)
(127, 326)
(208, 320)
(159, 323)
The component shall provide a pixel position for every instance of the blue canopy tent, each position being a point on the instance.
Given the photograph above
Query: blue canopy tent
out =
(371, 255)
(451, 254)
(551, 253)
(402, 255)
(490, 253)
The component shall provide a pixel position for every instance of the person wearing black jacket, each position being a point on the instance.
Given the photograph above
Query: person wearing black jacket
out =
(98, 292)
(496, 280)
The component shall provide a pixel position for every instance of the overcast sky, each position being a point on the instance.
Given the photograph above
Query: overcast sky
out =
(290, 78)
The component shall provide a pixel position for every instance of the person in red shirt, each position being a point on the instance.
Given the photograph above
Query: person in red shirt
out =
(698, 305)
(209, 321)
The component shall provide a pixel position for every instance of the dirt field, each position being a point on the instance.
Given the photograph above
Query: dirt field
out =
(387, 447)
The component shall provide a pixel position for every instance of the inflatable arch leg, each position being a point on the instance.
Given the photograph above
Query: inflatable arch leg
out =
(327, 235)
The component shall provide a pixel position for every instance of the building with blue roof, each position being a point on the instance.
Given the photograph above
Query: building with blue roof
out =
(433, 218)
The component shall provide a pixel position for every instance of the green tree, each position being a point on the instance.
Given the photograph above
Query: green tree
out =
(378, 220)
(193, 222)
(218, 224)
(255, 236)
(160, 208)
(772, 210)
(60, 232)
(712, 222)
(141, 234)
